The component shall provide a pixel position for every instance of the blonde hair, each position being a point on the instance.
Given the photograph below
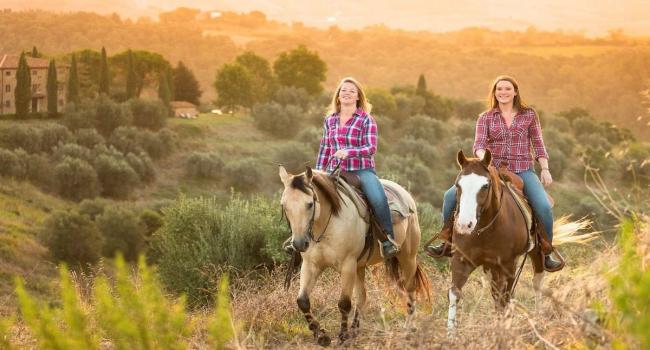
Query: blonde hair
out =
(517, 102)
(335, 105)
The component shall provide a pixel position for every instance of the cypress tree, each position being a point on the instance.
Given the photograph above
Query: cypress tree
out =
(73, 82)
(35, 52)
(23, 92)
(52, 90)
(422, 86)
(169, 75)
(131, 79)
(104, 76)
(186, 87)
(164, 92)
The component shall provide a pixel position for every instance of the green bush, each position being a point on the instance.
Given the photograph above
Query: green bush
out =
(200, 235)
(133, 312)
(76, 179)
(117, 177)
(72, 237)
(151, 220)
(423, 127)
(142, 165)
(14, 136)
(149, 114)
(295, 156)
(243, 174)
(53, 135)
(39, 170)
(11, 165)
(289, 95)
(277, 120)
(159, 145)
(419, 148)
(93, 207)
(127, 139)
(89, 138)
(72, 150)
(205, 165)
(122, 232)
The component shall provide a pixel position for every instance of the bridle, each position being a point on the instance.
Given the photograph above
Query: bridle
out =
(478, 217)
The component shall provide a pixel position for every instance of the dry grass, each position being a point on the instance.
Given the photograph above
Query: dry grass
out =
(269, 317)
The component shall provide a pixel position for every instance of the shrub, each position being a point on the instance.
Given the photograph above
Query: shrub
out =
(117, 177)
(53, 135)
(289, 95)
(16, 136)
(383, 103)
(151, 220)
(243, 174)
(127, 139)
(72, 237)
(275, 119)
(88, 138)
(199, 235)
(10, 165)
(122, 232)
(423, 127)
(419, 148)
(76, 179)
(126, 315)
(39, 170)
(149, 114)
(295, 156)
(159, 145)
(204, 165)
(142, 165)
(72, 150)
(93, 207)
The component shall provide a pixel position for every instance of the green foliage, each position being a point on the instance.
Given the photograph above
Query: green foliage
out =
(72, 150)
(164, 91)
(234, 85)
(185, 85)
(142, 165)
(73, 82)
(131, 79)
(72, 237)
(277, 120)
(220, 329)
(422, 86)
(104, 75)
(102, 113)
(202, 235)
(419, 148)
(92, 208)
(11, 165)
(301, 68)
(52, 90)
(15, 136)
(287, 95)
(468, 110)
(149, 114)
(263, 82)
(244, 174)
(117, 177)
(637, 161)
(151, 221)
(53, 134)
(383, 103)
(76, 179)
(629, 288)
(159, 145)
(294, 156)
(122, 232)
(23, 90)
(205, 165)
(130, 313)
(423, 127)
(88, 138)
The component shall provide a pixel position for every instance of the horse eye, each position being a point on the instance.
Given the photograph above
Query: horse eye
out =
(310, 205)
(485, 187)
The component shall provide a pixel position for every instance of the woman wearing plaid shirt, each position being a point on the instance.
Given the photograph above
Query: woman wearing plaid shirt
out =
(350, 137)
(510, 130)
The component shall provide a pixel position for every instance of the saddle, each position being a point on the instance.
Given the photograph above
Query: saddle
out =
(515, 185)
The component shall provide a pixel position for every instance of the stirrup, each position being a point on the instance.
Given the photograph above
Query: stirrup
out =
(388, 249)
(439, 251)
(552, 265)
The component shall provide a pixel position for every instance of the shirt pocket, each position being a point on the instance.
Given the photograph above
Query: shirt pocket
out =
(355, 133)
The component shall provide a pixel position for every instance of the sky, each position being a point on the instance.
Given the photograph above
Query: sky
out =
(591, 17)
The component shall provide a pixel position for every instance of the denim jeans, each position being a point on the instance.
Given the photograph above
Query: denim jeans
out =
(534, 191)
(374, 191)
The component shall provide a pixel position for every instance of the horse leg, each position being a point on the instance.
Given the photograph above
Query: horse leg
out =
(538, 277)
(360, 296)
(348, 277)
(409, 267)
(460, 271)
(308, 276)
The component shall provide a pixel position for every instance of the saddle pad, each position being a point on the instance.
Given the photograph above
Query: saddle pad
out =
(396, 202)
(526, 210)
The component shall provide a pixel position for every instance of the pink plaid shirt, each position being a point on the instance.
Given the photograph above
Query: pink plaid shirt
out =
(511, 144)
(358, 136)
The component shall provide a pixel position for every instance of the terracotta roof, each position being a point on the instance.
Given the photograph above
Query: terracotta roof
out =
(181, 104)
(11, 61)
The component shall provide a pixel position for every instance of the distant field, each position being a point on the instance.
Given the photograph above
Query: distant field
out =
(562, 51)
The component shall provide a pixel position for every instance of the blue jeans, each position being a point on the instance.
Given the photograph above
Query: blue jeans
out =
(374, 191)
(534, 191)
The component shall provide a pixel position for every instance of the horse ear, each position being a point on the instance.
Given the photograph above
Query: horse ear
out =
(309, 174)
(460, 158)
(487, 158)
(284, 176)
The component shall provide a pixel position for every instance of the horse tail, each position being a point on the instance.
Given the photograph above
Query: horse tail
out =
(566, 231)
(392, 270)
(422, 284)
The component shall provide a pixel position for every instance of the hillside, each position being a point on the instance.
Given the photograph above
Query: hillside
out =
(557, 71)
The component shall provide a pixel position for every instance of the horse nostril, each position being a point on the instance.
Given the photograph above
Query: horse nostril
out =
(306, 245)
(469, 225)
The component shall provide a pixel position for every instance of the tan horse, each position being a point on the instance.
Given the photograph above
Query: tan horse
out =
(491, 231)
(329, 231)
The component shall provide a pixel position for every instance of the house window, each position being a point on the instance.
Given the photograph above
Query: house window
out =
(8, 73)
(34, 87)
(7, 103)
(60, 102)
(7, 88)
(34, 72)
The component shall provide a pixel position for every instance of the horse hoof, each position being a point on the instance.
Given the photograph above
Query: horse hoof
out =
(324, 340)
(343, 337)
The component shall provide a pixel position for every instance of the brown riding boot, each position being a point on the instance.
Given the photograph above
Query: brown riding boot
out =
(444, 248)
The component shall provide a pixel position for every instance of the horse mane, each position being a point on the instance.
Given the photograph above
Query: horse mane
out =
(324, 183)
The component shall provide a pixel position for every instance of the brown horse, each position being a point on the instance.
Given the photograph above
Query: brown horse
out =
(329, 230)
(491, 231)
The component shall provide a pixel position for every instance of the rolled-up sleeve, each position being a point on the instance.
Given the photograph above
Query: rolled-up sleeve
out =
(535, 132)
(368, 140)
(481, 136)
(325, 150)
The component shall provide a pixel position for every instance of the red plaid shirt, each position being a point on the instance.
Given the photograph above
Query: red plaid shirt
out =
(511, 144)
(358, 136)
